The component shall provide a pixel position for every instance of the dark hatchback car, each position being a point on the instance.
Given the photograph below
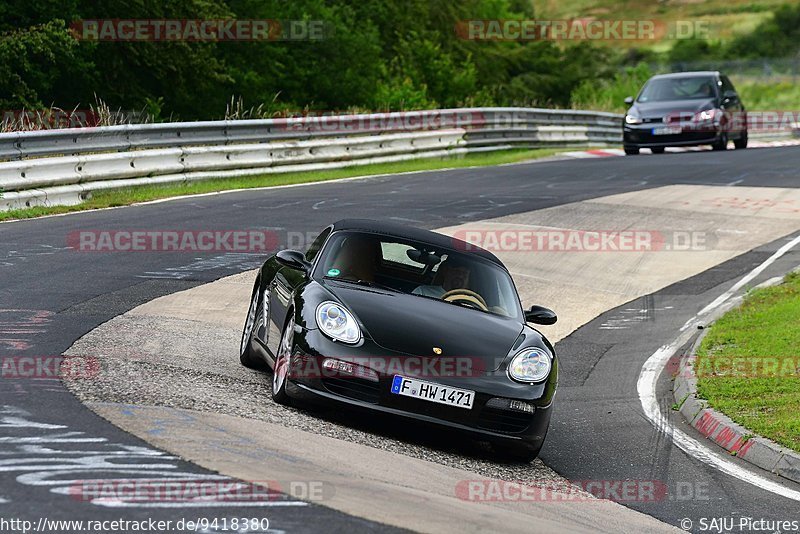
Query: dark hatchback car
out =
(685, 109)
(405, 322)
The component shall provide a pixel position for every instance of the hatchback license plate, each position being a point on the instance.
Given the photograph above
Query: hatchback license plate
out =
(420, 389)
(667, 130)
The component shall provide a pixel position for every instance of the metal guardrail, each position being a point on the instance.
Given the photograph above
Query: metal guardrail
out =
(64, 166)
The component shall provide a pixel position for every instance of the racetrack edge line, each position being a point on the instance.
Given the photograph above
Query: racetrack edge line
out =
(655, 364)
(546, 159)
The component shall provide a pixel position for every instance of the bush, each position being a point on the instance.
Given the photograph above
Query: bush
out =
(381, 54)
(760, 96)
(42, 65)
(609, 95)
(779, 36)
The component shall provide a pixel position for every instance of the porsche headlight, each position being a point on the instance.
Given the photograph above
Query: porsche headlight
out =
(337, 322)
(530, 365)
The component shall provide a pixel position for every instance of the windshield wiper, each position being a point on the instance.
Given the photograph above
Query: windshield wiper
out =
(365, 283)
(468, 306)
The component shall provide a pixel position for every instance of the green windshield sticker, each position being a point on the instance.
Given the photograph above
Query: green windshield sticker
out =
(333, 272)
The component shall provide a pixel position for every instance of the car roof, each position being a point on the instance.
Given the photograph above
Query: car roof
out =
(414, 234)
(688, 74)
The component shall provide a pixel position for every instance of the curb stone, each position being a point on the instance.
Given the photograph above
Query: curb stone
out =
(720, 429)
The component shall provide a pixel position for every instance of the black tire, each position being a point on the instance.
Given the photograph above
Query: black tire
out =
(657, 150)
(631, 151)
(741, 142)
(282, 358)
(247, 355)
(722, 144)
(518, 452)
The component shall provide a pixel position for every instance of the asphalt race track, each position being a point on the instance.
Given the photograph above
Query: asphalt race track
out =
(52, 295)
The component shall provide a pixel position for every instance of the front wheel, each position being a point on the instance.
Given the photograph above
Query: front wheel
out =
(631, 151)
(741, 142)
(247, 356)
(282, 361)
(722, 144)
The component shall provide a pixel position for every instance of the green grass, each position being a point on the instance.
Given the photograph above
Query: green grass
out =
(748, 365)
(757, 95)
(769, 96)
(725, 18)
(132, 195)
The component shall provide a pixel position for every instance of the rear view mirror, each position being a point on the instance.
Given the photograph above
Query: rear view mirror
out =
(423, 257)
(629, 100)
(540, 315)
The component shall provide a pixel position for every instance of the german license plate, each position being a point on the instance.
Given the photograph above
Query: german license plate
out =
(421, 389)
(667, 130)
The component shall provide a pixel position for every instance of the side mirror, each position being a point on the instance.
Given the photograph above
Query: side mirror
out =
(540, 315)
(629, 100)
(728, 97)
(294, 260)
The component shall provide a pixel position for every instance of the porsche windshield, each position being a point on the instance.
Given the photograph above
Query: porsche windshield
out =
(419, 269)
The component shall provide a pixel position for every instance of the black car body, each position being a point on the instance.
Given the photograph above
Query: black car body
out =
(292, 297)
(685, 109)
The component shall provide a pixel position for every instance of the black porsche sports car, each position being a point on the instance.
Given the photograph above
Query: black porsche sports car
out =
(406, 322)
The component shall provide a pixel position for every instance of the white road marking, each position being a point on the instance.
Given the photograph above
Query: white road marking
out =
(37, 461)
(239, 260)
(752, 274)
(604, 153)
(654, 365)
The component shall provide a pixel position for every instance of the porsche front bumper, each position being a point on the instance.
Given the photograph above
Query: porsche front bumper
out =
(374, 395)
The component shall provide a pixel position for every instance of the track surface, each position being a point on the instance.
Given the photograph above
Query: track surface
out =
(598, 431)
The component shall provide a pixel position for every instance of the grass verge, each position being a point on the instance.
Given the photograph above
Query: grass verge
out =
(748, 364)
(757, 95)
(770, 96)
(132, 195)
(722, 19)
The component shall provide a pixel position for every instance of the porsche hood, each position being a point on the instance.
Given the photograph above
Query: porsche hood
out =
(416, 325)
